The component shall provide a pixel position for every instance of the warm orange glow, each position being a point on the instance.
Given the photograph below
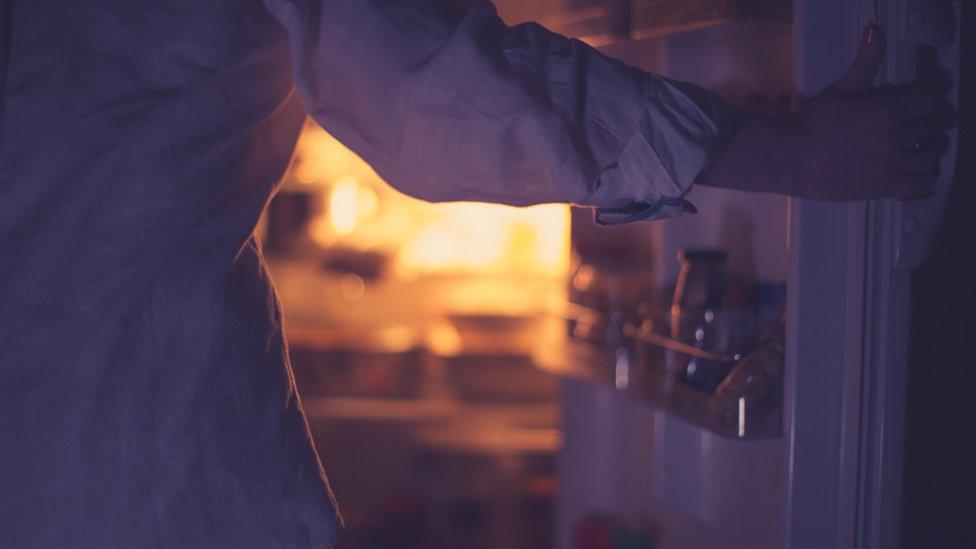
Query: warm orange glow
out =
(359, 211)
(349, 202)
(464, 237)
(443, 339)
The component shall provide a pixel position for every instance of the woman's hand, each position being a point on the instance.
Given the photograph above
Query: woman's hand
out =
(847, 143)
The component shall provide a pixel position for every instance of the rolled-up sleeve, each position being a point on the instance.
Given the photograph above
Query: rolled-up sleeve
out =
(458, 106)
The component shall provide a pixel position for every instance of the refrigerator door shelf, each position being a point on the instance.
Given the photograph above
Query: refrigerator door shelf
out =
(934, 24)
(747, 405)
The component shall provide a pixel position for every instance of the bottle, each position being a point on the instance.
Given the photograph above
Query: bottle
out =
(698, 298)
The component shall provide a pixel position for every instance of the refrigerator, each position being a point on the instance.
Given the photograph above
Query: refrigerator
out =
(827, 473)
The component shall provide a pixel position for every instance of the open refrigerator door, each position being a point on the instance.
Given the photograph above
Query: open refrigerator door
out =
(825, 472)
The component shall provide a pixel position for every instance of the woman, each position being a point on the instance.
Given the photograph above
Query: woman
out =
(145, 393)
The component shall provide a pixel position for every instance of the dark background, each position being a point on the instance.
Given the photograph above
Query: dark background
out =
(939, 502)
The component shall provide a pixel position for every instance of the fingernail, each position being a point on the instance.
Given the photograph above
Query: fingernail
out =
(869, 34)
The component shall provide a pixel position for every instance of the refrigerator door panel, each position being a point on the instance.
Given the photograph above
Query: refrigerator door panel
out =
(825, 316)
(828, 325)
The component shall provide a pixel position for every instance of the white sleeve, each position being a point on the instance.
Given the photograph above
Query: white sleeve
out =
(460, 106)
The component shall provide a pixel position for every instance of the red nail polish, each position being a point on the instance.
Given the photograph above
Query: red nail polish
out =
(869, 34)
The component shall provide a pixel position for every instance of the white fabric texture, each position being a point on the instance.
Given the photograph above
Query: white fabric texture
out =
(145, 392)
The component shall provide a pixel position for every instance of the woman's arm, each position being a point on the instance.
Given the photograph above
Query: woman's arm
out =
(446, 102)
(452, 104)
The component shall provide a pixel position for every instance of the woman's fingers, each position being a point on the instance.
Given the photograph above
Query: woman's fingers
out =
(915, 185)
(912, 103)
(923, 135)
(922, 162)
(918, 135)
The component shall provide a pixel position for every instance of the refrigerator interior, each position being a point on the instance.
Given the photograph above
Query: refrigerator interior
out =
(434, 346)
